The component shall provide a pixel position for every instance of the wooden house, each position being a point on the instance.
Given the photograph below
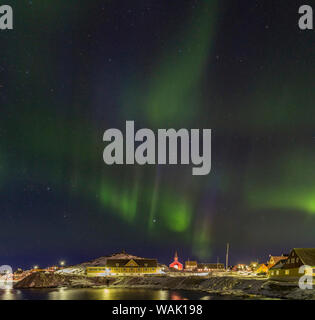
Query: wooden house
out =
(289, 268)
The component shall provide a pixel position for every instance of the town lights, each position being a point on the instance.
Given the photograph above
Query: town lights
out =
(62, 263)
(35, 267)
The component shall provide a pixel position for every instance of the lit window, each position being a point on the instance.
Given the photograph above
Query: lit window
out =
(287, 272)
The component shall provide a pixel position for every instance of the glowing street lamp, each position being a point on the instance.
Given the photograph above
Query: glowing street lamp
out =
(35, 267)
(62, 263)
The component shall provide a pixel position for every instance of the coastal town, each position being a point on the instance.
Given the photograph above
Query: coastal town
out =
(283, 267)
(279, 277)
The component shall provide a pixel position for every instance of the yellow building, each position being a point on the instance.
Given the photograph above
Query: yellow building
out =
(262, 268)
(289, 269)
(124, 267)
(191, 265)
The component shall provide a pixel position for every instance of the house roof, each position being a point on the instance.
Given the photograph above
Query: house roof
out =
(307, 255)
(132, 263)
(279, 264)
(102, 261)
(191, 263)
(276, 259)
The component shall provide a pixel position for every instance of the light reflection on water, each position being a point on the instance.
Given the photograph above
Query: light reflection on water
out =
(100, 294)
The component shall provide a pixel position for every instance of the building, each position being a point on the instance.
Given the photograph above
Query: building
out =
(191, 265)
(275, 270)
(262, 268)
(275, 259)
(52, 269)
(204, 267)
(288, 269)
(253, 265)
(124, 267)
(240, 267)
(176, 264)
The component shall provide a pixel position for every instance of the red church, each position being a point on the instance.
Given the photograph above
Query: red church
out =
(176, 264)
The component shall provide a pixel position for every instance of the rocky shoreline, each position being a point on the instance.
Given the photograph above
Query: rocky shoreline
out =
(245, 287)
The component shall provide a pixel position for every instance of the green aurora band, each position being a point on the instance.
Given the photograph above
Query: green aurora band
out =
(290, 185)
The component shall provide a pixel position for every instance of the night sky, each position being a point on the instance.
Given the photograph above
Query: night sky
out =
(72, 69)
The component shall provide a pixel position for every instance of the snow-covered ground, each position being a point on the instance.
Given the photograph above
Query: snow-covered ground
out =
(246, 287)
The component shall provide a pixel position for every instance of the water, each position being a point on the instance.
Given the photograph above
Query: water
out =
(103, 294)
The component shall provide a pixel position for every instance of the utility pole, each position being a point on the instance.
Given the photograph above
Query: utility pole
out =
(227, 256)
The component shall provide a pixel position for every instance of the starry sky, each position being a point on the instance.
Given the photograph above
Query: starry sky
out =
(72, 69)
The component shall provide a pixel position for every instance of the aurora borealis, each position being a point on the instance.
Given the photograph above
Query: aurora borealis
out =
(72, 69)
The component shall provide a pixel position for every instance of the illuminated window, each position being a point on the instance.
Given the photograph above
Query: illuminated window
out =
(287, 272)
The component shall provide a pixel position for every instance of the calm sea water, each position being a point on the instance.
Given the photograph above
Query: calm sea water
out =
(103, 294)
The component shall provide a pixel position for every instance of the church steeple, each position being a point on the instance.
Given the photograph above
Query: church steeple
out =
(176, 264)
(176, 256)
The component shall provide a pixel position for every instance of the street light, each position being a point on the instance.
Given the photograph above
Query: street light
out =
(62, 263)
